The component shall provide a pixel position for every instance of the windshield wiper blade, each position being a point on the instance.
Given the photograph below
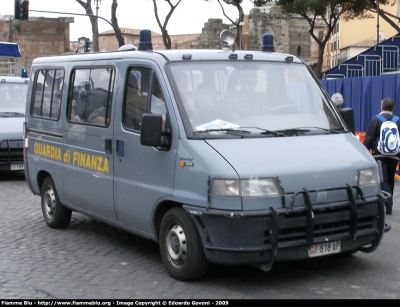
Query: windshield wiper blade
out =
(236, 131)
(295, 131)
(265, 131)
(276, 133)
(328, 130)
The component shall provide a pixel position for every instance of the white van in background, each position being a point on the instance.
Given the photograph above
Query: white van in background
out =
(13, 91)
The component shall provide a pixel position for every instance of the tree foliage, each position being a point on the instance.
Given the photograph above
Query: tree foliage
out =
(369, 9)
(328, 12)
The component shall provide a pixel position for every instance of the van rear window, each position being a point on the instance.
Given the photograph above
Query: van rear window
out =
(47, 93)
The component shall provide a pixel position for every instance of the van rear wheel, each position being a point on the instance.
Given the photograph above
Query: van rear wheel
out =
(54, 213)
(180, 246)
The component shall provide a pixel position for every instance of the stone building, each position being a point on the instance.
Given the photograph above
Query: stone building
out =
(209, 36)
(291, 33)
(36, 37)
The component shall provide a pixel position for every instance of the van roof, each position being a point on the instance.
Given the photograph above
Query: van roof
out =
(13, 79)
(174, 55)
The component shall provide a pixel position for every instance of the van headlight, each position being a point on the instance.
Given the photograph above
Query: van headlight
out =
(368, 176)
(254, 187)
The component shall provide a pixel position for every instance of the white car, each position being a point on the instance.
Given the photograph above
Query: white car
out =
(13, 91)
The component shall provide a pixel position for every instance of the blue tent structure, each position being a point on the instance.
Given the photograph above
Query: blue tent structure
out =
(366, 79)
(9, 49)
(364, 95)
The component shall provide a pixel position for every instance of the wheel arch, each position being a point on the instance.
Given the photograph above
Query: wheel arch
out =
(161, 209)
(41, 176)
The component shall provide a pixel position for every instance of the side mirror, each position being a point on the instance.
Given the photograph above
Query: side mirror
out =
(348, 117)
(152, 132)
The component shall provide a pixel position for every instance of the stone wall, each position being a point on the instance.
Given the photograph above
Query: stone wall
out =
(209, 37)
(291, 34)
(36, 37)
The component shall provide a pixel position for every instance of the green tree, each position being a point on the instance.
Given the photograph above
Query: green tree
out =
(327, 14)
(369, 9)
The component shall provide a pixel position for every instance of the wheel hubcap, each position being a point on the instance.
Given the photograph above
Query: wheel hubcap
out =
(176, 245)
(50, 203)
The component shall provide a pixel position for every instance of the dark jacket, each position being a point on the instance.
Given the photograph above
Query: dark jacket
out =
(372, 134)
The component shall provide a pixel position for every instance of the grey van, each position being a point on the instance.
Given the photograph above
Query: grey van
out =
(13, 91)
(221, 156)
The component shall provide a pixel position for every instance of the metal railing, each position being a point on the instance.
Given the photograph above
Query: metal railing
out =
(385, 60)
(9, 68)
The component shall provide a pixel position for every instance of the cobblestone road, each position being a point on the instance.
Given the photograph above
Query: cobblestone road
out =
(90, 260)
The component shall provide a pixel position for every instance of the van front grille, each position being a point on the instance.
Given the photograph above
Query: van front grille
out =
(327, 224)
(11, 151)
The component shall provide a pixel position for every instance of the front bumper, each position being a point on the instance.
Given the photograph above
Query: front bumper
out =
(263, 237)
(11, 153)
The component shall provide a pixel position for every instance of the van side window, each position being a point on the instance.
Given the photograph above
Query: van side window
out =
(91, 96)
(48, 91)
(140, 82)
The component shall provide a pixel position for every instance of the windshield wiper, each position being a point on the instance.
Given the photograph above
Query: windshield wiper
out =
(295, 131)
(325, 129)
(230, 130)
(276, 133)
(265, 131)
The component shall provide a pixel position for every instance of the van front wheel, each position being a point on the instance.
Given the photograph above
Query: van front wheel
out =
(180, 246)
(54, 213)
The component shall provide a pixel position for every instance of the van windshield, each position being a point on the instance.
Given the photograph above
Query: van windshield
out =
(260, 96)
(12, 97)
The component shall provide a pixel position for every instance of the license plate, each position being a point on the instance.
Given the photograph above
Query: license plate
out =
(324, 249)
(17, 167)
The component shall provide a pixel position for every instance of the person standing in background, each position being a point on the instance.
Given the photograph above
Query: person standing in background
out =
(388, 162)
(337, 99)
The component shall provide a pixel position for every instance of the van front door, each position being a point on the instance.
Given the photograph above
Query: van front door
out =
(144, 175)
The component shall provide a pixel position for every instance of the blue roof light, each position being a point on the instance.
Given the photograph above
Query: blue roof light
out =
(268, 43)
(145, 40)
(24, 72)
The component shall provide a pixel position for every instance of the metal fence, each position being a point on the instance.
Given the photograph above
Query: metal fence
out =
(9, 68)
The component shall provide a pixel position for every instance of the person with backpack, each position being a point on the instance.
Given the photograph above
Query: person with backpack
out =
(382, 137)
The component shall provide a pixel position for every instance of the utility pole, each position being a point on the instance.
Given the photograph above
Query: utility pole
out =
(96, 31)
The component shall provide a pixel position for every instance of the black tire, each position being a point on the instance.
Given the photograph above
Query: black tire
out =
(180, 246)
(54, 213)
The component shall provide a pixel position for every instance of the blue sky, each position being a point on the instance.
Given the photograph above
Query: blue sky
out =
(188, 18)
